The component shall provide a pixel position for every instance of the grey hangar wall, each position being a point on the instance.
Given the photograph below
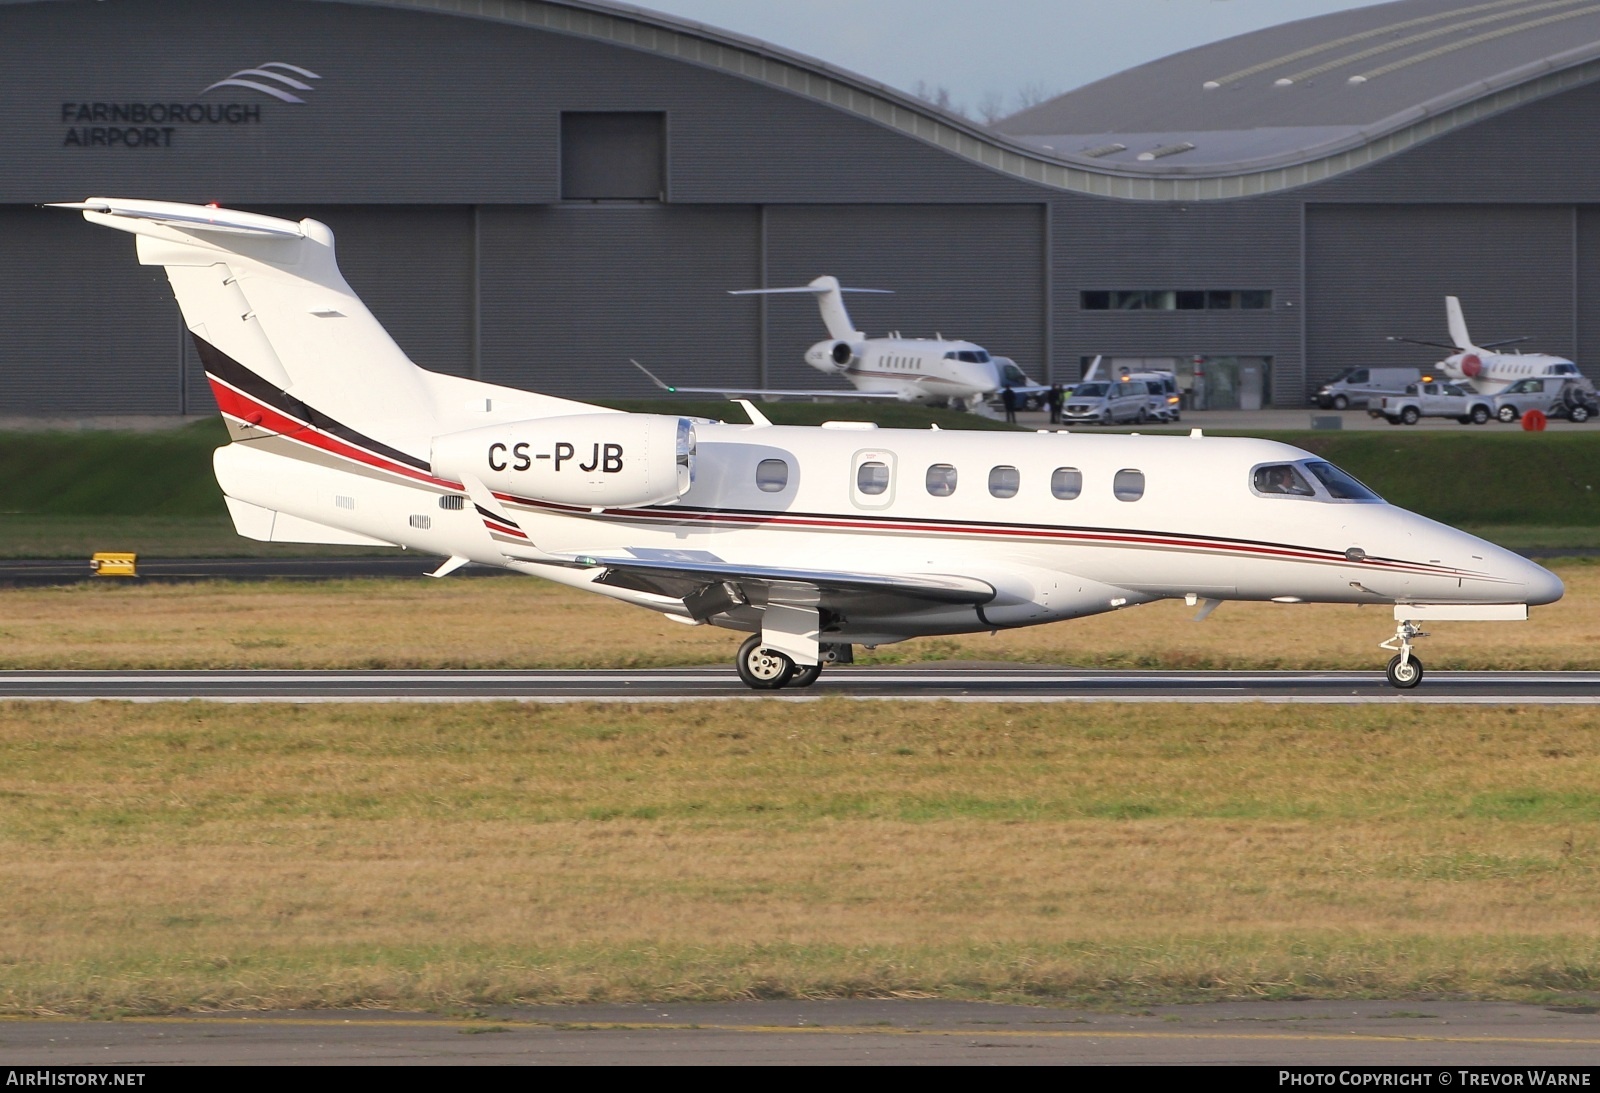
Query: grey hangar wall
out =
(432, 144)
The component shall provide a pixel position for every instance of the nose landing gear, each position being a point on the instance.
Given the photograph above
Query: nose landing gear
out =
(1404, 671)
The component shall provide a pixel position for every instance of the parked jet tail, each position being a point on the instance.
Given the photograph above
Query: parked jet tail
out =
(830, 301)
(1458, 323)
(276, 324)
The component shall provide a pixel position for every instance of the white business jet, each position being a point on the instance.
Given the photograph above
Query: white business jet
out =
(1489, 373)
(904, 369)
(811, 539)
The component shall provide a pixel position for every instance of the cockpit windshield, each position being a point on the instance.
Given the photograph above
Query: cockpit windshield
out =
(1302, 479)
(1340, 485)
(972, 356)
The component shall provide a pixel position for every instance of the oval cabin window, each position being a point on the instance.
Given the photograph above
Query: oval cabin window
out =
(772, 475)
(1004, 481)
(941, 480)
(1128, 485)
(1066, 483)
(872, 478)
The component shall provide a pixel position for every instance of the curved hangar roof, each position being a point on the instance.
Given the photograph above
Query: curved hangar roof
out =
(1266, 111)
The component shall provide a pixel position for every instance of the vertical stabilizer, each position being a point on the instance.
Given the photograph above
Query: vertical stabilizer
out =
(830, 301)
(1458, 324)
(271, 313)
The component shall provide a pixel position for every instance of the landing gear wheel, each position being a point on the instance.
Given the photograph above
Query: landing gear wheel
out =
(1404, 673)
(762, 668)
(1507, 414)
(806, 676)
(1410, 415)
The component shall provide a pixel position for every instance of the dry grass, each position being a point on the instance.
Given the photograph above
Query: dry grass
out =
(162, 856)
(510, 622)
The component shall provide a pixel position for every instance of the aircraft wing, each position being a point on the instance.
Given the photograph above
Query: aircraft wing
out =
(765, 392)
(708, 585)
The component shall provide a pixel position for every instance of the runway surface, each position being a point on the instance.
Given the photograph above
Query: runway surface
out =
(901, 1032)
(922, 683)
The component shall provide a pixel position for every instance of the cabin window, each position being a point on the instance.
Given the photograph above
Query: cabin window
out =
(1128, 485)
(872, 478)
(772, 475)
(1004, 481)
(941, 480)
(1066, 483)
(1283, 479)
(453, 502)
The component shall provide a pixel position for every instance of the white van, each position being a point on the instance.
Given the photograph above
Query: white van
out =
(1364, 386)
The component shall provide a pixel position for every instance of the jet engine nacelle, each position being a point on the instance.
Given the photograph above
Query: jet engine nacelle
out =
(592, 460)
(832, 356)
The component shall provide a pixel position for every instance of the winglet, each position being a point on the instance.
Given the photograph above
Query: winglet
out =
(655, 379)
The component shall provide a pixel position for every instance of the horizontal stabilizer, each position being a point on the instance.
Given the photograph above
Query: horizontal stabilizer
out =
(188, 217)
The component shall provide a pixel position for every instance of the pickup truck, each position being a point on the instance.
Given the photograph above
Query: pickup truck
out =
(1434, 399)
(1553, 396)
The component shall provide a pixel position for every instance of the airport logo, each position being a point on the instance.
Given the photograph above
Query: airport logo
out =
(154, 124)
(281, 86)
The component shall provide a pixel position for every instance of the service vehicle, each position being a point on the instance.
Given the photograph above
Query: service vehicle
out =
(1107, 402)
(1432, 398)
(1553, 396)
(1360, 387)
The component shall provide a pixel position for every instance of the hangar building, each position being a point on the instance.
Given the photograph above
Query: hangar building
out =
(533, 191)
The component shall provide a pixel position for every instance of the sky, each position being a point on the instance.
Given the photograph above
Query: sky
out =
(995, 50)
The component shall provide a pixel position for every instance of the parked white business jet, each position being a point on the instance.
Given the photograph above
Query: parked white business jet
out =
(1489, 373)
(907, 369)
(812, 539)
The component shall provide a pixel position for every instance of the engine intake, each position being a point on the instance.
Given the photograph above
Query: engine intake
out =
(592, 460)
(832, 356)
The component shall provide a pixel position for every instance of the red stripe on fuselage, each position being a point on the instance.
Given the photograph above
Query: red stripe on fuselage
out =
(245, 408)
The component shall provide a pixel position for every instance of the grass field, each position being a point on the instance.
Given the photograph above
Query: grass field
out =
(527, 623)
(158, 857)
(69, 494)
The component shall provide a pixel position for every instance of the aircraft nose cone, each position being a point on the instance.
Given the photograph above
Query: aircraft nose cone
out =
(1543, 586)
(985, 377)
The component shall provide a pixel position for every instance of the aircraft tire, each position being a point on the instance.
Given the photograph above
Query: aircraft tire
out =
(1403, 678)
(806, 676)
(1507, 414)
(762, 669)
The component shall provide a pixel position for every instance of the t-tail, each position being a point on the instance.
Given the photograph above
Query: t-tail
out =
(318, 398)
(830, 300)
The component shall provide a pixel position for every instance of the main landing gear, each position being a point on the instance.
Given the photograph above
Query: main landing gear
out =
(1404, 671)
(768, 670)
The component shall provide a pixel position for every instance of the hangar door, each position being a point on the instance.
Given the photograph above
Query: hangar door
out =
(87, 329)
(568, 293)
(963, 271)
(1378, 270)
